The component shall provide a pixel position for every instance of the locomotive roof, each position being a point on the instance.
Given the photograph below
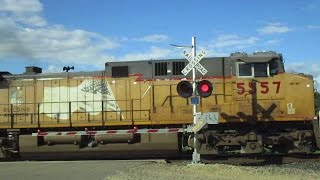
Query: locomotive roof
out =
(216, 66)
(171, 68)
(248, 58)
(55, 75)
(257, 57)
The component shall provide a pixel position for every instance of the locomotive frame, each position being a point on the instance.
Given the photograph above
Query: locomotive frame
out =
(262, 109)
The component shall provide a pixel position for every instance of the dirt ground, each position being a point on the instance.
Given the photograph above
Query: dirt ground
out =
(306, 170)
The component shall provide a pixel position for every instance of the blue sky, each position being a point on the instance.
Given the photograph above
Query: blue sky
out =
(87, 33)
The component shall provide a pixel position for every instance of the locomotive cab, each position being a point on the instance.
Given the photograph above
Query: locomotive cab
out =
(260, 64)
(267, 112)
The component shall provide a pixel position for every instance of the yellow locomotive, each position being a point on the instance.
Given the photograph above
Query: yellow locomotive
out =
(261, 108)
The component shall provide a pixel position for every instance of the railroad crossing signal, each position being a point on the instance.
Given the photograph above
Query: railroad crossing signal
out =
(184, 89)
(194, 63)
(204, 88)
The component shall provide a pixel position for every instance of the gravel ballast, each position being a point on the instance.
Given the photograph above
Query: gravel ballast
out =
(291, 171)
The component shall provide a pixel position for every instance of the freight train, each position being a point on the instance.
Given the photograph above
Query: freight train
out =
(258, 108)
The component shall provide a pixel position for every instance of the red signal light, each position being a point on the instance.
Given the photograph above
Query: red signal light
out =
(204, 88)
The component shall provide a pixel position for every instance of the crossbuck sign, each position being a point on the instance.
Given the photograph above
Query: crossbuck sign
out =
(194, 63)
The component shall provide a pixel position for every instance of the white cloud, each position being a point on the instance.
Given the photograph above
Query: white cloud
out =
(58, 67)
(295, 67)
(153, 38)
(25, 34)
(315, 27)
(53, 69)
(36, 40)
(216, 53)
(313, 5)
(23, 11)
(20, 6)
(56, 43)
(234, 41)
(274, 28)
(315, 71)
(34, 20)
(274, 41)
(152, 53)
(302, 67)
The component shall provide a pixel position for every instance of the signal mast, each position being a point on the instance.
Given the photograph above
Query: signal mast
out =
(187, 89)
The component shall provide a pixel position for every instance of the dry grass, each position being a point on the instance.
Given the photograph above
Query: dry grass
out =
(216, 171)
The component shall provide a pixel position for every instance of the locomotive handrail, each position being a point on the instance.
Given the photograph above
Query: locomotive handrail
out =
(146, 92)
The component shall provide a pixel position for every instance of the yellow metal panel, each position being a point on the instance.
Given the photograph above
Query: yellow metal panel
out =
(299, 95)
(284, 97)
(4, 106)
(145, 96)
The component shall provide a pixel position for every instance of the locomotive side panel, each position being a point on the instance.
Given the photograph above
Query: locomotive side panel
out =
(139, 100)
(118, 100)
(221, 98)
(19, 105)
(52, 100)
(5, 108)
(136, 99)
(167, 104)
(89, 101)
(132, 100)
(82, 101)
(23, 105)
(171, 108)
(299, 99)
(258, 99)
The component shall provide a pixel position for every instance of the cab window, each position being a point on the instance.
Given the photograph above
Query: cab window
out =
(244, 69)
(261, 70)
(273, 66)
(250, 70)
